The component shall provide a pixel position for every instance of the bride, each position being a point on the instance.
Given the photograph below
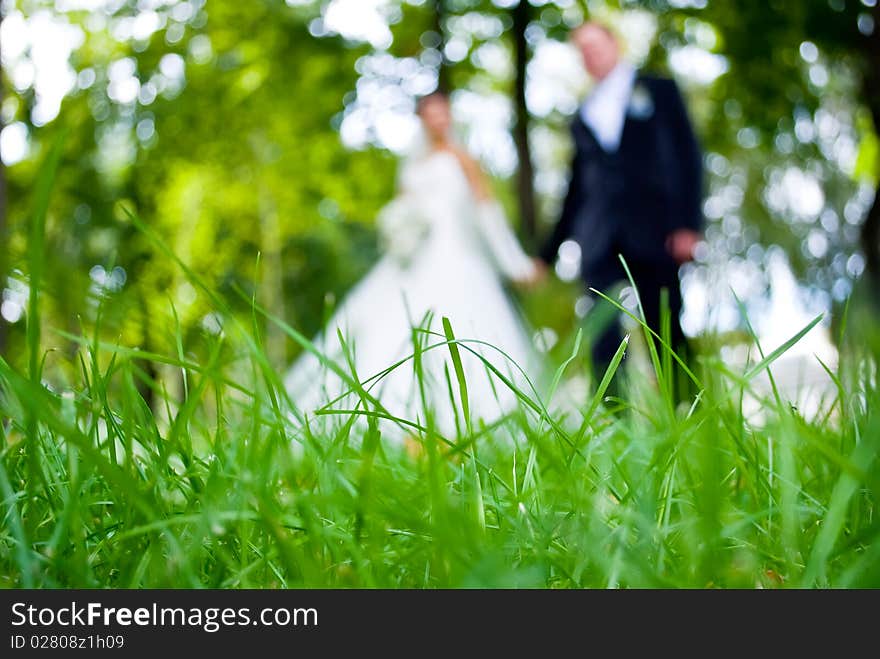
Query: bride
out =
(447, 248)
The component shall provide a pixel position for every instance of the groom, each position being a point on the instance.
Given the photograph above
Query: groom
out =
(635, 189)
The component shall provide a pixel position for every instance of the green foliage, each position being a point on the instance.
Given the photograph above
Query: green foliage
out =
(242, 177)
(240, 166)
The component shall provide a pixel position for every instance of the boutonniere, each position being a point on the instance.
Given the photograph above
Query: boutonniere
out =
(641, 105)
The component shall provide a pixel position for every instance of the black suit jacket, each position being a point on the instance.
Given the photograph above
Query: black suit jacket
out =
(628, 202)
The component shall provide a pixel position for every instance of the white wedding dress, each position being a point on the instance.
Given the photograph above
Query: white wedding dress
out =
(445, 255)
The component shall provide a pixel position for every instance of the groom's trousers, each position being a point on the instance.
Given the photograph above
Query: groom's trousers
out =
(651, 278)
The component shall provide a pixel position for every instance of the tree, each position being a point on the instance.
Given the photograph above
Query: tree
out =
(777, 73)
(522, 16)
(871, 91)
(219, 154)
(440, 14)
(230, 145)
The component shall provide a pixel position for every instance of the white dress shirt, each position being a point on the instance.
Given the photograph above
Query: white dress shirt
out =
(604, 110)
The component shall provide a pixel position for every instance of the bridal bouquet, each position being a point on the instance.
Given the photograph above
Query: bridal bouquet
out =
(402, 228)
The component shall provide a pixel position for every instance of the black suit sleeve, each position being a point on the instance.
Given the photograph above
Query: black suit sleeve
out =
(564, 227)
(689, 196)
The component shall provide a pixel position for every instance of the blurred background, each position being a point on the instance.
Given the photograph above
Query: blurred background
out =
(272, 128)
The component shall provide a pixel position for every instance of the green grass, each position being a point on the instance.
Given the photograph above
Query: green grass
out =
(219, 486)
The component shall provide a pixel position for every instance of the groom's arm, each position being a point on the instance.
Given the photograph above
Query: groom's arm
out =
(687, 219)
(564, 227)
(690, 162)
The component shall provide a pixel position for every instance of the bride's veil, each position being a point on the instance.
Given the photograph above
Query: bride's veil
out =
(416, 150)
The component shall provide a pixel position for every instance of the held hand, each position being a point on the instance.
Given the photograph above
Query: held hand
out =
(681, 245)
(540, 270)
(537, 276)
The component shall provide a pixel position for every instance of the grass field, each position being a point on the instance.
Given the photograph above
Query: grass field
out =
(216, 487)
(221, 490)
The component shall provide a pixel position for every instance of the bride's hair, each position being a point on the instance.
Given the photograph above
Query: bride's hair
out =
(420, 145)
(437, 94)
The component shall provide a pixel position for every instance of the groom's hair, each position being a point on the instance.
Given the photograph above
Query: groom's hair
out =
(598, 24)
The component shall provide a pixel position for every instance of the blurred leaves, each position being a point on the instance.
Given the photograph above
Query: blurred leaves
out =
(219, 122)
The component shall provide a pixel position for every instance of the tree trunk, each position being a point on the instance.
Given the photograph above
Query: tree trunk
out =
(521, 15)
(870, 240)
(272, 284)
(440, 12)
(870, 237)
(147, 390)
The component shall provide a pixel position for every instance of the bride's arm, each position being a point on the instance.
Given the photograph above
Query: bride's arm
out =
(506, 250)
(475, 176)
